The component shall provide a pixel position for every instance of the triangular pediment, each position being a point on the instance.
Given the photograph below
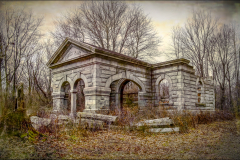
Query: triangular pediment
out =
(70, 50)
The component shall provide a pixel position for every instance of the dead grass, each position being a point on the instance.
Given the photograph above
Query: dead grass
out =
(215, 140)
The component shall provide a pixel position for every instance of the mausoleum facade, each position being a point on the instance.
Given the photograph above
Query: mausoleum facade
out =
(105, 72)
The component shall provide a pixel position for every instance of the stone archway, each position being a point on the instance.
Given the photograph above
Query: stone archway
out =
(80, 79)
(66, 88)
(133, 95)
(116, 83)
(60, 98)
(125, 75)
(63, 80)
(157, 85)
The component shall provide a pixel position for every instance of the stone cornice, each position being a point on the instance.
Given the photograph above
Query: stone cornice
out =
(122, 59)
(97, 91)
(106, 54)
(171, 63)
(105, 64)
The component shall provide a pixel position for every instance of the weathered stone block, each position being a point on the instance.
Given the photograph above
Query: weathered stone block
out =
(99, 72)
(163, 130)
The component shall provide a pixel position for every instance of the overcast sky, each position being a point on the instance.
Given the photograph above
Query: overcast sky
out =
(164, 14)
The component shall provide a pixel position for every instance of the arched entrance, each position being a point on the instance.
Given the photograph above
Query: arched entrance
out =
(79, 85)
(163, 87)
(129, 94)
(124, 93)
(66, 101)
(164, 92)
(77, 97)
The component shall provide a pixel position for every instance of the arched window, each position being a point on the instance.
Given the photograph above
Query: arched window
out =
(79, 85)
(164, 92)
(67, 97)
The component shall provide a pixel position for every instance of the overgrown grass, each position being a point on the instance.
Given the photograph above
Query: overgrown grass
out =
(213, 140)
(185, 119)
(71, 140)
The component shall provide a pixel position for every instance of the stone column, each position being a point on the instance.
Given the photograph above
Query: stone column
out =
(58, 101)
(180, 85)
(73, 103)
(96, 99)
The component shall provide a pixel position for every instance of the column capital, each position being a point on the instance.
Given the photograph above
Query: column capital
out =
(73, 91)
(98, 91)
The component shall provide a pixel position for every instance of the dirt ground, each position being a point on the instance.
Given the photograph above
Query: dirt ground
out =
(216, 140)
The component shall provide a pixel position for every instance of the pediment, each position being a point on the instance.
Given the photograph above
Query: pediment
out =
(72, 52)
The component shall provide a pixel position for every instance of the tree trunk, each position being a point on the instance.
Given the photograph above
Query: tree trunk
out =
(0, 76)
(230, 95)
(49, 86)
(222, 98)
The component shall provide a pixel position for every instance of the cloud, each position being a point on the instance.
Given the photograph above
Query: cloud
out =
(164, 14)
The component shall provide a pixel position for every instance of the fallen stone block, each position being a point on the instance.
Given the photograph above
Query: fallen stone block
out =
(60, 119)
(37, 122)
(163, 130)
(91, 123)
(105, 118)
(155, 122)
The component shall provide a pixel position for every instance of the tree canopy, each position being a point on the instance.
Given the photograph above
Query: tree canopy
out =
(111, 25)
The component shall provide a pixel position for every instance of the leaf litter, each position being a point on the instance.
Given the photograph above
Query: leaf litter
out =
(216, 140)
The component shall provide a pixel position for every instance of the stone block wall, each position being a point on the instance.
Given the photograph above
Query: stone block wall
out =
(97, 72)
(208, 94)
(113, 73)
(104, 73)
(183, 89)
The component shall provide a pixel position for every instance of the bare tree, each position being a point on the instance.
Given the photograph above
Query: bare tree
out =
(222, 61)
(177, 46)
(1, 58)
(236, 70)
(1, 47)
(68, 26)
(194, 39)
(41, 75)
(19, 33)
(111, 25)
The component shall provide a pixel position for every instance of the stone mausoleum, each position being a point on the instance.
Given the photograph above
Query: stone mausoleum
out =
(104, 74)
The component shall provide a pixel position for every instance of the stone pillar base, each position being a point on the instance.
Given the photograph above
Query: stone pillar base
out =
(96, 98)
(58, 102)
(73, 115)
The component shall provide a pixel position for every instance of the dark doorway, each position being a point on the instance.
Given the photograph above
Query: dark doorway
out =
(129, 94)
(80, 104)
(67, 97)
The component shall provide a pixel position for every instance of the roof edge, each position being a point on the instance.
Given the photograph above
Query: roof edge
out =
(171, 62)
(67, 39)
(99, 50)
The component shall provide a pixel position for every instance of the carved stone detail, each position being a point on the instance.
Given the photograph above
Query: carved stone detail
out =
(73, 52)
